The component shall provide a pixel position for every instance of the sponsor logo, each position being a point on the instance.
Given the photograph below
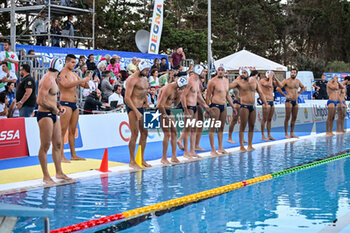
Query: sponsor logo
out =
(9, 137)
(306, 114)
(320, 113)
(151, 120)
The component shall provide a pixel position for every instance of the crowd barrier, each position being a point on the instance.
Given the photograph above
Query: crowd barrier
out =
(20, 136)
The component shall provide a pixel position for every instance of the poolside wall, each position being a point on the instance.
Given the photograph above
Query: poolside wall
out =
(111, 130)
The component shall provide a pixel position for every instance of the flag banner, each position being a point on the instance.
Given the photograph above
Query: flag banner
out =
(156, 28)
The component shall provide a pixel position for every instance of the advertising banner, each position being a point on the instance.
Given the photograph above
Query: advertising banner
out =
(156, 28)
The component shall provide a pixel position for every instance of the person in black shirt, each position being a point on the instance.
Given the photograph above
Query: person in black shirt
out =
(321, 88)
(347, 87)
(25, 94)
(56, 30)
(163, 68)
(93, 102)
(91, 62)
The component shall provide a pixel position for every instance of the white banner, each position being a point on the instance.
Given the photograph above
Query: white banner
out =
(156, 28)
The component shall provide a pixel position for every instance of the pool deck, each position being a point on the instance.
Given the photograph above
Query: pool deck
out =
(23, 174)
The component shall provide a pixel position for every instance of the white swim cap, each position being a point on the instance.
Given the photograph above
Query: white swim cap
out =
(268, 73)
(244, 69)
(56, 64)
(198, 69)
(221, 66)
(144, 65)
(182, 81)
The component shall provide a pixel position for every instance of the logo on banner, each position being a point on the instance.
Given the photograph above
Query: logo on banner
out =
(9, 137)
(77, 136)
(151, 120)
(156, 28)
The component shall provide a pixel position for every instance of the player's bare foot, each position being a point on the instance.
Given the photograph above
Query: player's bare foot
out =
(48, 180)
(77, 158)
(344, 131)
(245, 141)
(222, 151)
(231, 141)
(63, 177)
(264, 138)
(165, 161)
(250, 148)
(195, 155)
(199, 149)
(272, 139)
(180, 145)
(145, 164)
(134, 165)
(293, 135)
(65, 160)
(287, 136)
(214, 153)
(242, 149)
(188, 156)
(175, 160)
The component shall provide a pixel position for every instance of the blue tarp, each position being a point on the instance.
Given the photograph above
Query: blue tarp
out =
(50, 52)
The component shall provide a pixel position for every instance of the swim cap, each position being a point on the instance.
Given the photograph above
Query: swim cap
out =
(268, 73)
(222, 67)
(198, 69)
(182, 81)
(56, 64)
(144, 65)
(244, 69)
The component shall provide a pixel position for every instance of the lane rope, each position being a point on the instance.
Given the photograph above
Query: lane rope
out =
(193, 198)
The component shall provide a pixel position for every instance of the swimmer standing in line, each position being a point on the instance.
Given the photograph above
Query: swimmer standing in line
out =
(247, 87)
(167, 96)
(49, 124)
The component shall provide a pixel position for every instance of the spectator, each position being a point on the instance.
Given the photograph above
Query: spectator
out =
(6, 76)
(91, 62)
(25, 94)
(56, 30)
(69, 31)
(347, 87)
(152, 96)
(163, 67)
(101, 67)
(108, 59)
(156, 64)
(3, 105)
(153, 79)
(93, 84)
(116, 96)
(81, 61)
(114, 67)
(179, 71)
(40, 26)
(321, 88)
(106, 86)
(81, 70)
(35, 63)
(10, 58)
(132, 67)
(176, 58)
(93, 102)
(11, 98)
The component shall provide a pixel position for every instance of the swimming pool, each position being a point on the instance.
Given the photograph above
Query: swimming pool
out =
(304, 201)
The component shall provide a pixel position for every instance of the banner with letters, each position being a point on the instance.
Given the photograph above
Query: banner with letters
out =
(156, 28)
(13, 141)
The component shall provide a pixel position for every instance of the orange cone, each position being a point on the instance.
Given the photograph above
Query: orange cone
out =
(104, 163)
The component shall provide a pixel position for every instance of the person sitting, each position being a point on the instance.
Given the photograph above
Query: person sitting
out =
(56, 30)
(116, 96)
(3, 105)
(91, 62)
(106, 86)
(132, 67)
(93, 102)
(153, 79)
(114, 67)
(156, 64)
(152, 96)
(11, 98)
(6, 76)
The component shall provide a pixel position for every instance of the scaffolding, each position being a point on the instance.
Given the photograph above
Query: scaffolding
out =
(51, 8)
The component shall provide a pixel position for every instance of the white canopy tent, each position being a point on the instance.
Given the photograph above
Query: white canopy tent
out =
(249, 60)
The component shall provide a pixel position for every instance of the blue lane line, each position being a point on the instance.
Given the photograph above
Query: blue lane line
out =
(153, 149)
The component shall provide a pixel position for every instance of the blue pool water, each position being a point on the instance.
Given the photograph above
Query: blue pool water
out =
(304, 201)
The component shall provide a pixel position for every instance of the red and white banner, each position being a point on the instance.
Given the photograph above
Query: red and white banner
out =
(13, 141)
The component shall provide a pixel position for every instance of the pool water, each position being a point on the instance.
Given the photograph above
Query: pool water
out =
(304, 201)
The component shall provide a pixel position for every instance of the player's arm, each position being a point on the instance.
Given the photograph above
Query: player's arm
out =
(184, 95)
(302, 88)
(201, 101)
(340, 85)
(161, 102)
(128, 91)
(66, 83)
(261, 94)
(277, 83)
(42, 99)
(87, 78)
(332, 85)
(279, 89)
(210, 90)
(233, 85)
